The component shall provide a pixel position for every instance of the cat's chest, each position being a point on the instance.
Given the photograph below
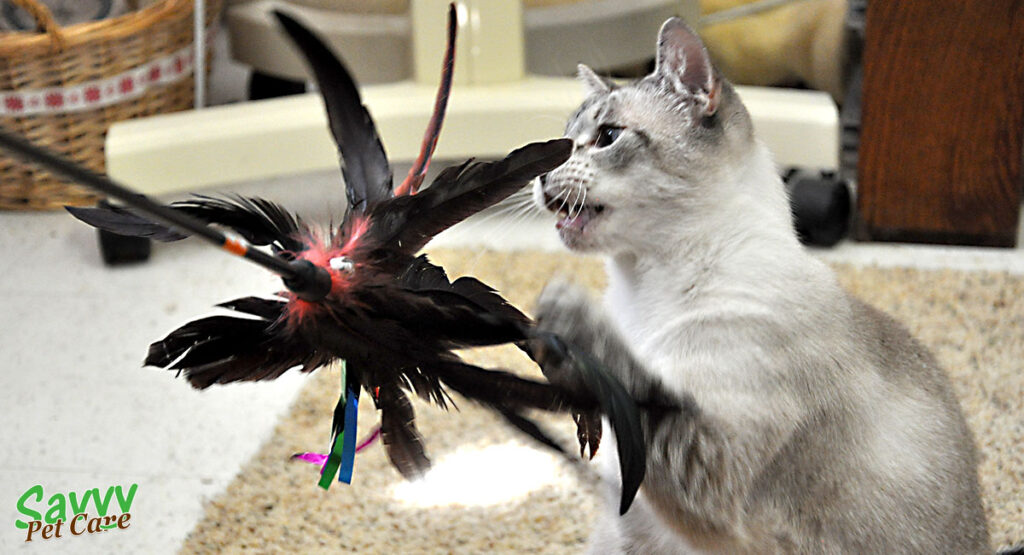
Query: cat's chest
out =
(665, 338)
(692, 346)
(659, 321)
(649, 329)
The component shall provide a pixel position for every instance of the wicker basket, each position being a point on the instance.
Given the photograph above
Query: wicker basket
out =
(63, 89)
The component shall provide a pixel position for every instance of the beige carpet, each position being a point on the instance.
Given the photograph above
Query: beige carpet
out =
(490, 492)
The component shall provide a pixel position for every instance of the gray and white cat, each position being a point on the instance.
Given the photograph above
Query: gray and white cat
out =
(804, 420)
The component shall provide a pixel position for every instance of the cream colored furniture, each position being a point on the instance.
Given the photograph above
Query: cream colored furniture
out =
(376, 36)
(495, 107)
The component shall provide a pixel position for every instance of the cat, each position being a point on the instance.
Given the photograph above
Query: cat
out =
(800, 419)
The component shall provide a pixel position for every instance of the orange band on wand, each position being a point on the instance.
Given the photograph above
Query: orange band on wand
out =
(235, 245)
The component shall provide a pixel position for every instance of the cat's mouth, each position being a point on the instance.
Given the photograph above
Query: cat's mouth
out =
(572, 217)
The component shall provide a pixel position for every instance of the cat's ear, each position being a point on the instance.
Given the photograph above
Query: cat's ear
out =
(594, 83)
(685, 62)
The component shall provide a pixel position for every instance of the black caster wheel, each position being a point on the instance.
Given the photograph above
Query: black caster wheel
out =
(263, 86)
(821, 207)
(120, 249)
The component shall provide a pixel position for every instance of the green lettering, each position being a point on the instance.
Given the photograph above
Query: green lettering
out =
(126, 504)
(80, 507)
(34, 491)
(101, 506)
(58, 508)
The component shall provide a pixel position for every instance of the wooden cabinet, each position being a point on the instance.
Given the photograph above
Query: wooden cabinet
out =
(943, 119)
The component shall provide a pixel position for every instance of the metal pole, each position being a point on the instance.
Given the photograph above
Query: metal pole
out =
(199, 43)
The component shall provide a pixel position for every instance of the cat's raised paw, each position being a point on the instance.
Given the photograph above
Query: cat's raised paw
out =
(564, 306)
(567, 311)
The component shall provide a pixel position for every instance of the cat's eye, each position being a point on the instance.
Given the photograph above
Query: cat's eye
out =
(606, 135)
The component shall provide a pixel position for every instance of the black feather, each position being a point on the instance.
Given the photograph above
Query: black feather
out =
(116, 219)
(488, 299)
(420, 274)
(402, 440)
(452, 319)
(426, 386)
(497, 388)
(365, 166)
(224, 349)
(458, 319)
(622, 412)
(407, 223)
(531, 429)
(251, 367)
(421, 277)
(259, 221)
(268, 309)
(164, 352)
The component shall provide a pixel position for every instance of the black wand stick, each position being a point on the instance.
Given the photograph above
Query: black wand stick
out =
(308, 281)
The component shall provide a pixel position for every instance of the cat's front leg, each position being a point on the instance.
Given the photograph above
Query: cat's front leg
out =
(567, 311)
(700, 466)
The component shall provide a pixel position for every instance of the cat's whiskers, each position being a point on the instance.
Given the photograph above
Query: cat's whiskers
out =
(493, 226)
(564, 194)
(524, 206)
(581, 190)
(512, 205)
(515, 209)
(583, 201)
(574, 207)
(524, 210)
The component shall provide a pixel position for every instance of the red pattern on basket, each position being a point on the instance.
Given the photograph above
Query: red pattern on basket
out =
(99, 93)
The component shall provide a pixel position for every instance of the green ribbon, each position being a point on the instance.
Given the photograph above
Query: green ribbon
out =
(333, 462)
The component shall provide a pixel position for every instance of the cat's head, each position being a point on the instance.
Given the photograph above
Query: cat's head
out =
(647, 154)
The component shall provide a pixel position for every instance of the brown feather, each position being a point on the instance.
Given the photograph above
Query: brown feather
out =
(402, 440)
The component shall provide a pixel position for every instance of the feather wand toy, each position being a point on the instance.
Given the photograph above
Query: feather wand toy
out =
(361, 294)
(300, 276)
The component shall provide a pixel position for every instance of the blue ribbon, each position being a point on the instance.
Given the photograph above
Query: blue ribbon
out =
(342, 454)
(348, 451)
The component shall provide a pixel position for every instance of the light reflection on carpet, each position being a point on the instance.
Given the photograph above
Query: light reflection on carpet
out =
(483, 476)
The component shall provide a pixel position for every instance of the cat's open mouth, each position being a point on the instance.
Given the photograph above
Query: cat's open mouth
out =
(572, 217)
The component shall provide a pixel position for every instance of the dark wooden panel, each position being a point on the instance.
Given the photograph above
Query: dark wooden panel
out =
(943, 121)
